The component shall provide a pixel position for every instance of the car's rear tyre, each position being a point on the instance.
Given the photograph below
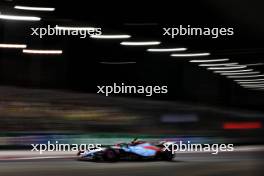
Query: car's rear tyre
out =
(164, 156)
(167, 156)
(110, 155)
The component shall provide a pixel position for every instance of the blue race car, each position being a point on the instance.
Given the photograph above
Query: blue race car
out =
(136, 151)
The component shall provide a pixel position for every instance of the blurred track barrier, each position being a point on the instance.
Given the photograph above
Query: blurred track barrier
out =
(25, 141)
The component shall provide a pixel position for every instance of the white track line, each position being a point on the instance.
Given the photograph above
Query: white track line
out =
(37, 158)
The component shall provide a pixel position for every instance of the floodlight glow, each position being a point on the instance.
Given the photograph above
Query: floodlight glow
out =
(253, 86)
(34, 51)
(190, 55)
(110, 36)
(210, 60)
(34, 8)
(248, 80)
(69, 28)
(234, 71)
(140, 43)
(13, 46)
(226, 68)
(166, 49)
(257, 64)
(249, 76)
(245, 73)
(216, 65)
(19, 18)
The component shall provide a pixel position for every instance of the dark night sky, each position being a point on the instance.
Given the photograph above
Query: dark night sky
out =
(79, 67)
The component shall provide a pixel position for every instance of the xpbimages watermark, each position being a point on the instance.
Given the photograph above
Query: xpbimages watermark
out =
(189, 147)
(129, 89)
(56, 147)
(81, 32)
(188, 30)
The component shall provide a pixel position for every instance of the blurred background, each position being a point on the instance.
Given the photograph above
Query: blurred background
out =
(52, 97)
(37, 115)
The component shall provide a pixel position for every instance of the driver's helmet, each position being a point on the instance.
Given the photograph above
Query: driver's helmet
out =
(136, 142)
(122, 144)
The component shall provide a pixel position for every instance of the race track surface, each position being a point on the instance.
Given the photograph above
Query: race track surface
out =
(245, 163)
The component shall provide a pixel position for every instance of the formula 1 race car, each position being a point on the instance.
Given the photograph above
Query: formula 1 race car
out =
(134, 151)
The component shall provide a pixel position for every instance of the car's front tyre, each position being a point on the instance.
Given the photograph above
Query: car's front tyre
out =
(110, 155)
